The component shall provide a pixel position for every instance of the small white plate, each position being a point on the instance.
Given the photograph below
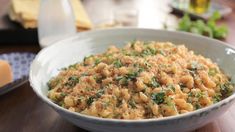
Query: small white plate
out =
(20, 63)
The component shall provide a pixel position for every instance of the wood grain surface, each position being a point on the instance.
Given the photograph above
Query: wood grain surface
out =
(22, 111)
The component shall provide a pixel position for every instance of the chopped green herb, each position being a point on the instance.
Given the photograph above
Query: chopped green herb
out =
(133, 43)
(90, 100)
(132, 53)
(122, 80)
(190, 94)
(119, 103)
(117, 63)
(217, 98)
(61, 103)
(161, 52)
(171, 87)
(79, 99)
(106, 104)
(226, 89)
(169, 101)
(199, 95)
(85, 58)
(84, 74)
(136, 65)
(147, 64)
(132, 104)
(98, 79)
(108, 55)
(72, 81)
(73, 66)
(194, 65)
(63, 94)
(134, 74)
(99, 93)
(182, 85)
(197, 106)
(53, 82)
(64, 69)
(131, 76)
(189, 100)
(158, 98)
(49, 85)
(192, 72)
(154, 83)
(96, 96)
(148, 51)
(97, 61)
(212, 72)
(118, 78)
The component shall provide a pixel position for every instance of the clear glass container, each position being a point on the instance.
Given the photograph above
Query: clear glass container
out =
(56, 21)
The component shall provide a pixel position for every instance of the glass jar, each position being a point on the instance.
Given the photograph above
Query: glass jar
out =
(56, 21)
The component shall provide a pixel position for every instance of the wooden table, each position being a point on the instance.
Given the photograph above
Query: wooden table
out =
(22, 110)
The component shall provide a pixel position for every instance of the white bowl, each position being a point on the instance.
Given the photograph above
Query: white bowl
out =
(75, 48)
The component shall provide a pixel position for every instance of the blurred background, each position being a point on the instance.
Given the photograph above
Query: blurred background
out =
(19, 18)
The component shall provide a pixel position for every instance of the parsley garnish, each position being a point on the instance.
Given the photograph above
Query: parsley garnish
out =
(226, 89)
(217, 98)
(117, 63)
(72, 81)
(148, 51)
(132, 104)
(171, 87)
(90, 100)
(154, 83)
(197, 106)
(212, 72)
(158, 98)
(97, 61)
(63, 94)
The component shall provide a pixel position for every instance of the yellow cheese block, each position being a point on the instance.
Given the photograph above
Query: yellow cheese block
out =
(6, 75)
(26, 12)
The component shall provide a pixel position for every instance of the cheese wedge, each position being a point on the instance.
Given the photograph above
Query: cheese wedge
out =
(6, 75)
(26, 13)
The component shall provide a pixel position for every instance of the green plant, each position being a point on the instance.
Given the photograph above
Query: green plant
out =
(209, 28)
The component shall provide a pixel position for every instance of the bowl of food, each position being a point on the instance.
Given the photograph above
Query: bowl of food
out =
(138, 80)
